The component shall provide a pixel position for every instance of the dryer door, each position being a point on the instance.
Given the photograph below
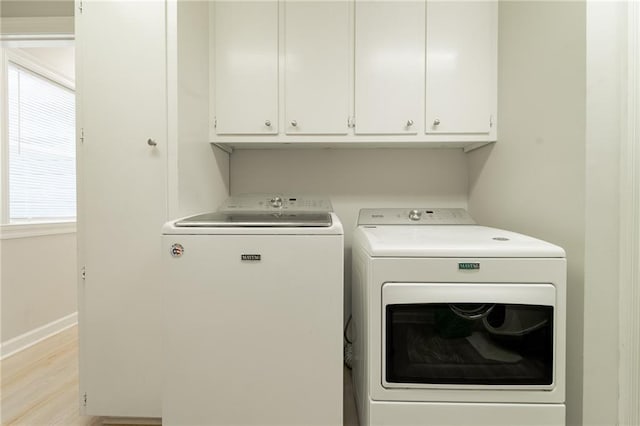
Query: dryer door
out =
(468, 336)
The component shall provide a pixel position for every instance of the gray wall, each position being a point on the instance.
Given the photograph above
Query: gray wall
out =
(533, 180)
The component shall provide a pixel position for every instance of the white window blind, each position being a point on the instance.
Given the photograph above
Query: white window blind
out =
(42, 155)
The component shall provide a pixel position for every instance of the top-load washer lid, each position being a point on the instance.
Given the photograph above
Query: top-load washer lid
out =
(262, 214)
(258, 219)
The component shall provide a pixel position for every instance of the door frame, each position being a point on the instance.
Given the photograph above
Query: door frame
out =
(629, 370)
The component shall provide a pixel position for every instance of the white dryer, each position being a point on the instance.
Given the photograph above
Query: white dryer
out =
(254, 315)
(456, 324)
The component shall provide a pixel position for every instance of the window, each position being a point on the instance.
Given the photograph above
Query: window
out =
(41, 163)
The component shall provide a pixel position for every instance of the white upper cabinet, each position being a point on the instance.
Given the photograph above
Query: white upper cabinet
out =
(389, 66)
(246, 67)
(394, 73)
(461, 66)
(317, 52)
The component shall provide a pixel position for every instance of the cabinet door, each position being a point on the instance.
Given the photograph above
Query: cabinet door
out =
(122, 204)
(246, 67)
(389, 66)
(317, 67)
(461, 63)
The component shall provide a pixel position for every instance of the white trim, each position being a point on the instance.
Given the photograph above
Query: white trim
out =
(29, 230)
(131, 421)
(36, 66)
(629, 374)
(41, 28)
(4, 136)
(30, 338)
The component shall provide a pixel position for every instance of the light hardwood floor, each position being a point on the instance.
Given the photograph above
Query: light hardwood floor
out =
(39, 386)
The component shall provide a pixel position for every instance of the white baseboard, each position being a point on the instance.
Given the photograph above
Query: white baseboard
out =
(146, 421)
(34, 336)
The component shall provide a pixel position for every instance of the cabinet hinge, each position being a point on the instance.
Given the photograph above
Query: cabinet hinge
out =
(82, 135)
(80, 6)
(84, 399)
(215, 122)
(83, 275)
(490, 121)
(351, 122)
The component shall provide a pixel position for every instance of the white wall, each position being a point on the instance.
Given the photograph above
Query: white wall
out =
(33, 8)
(202, 170)
(533, 180)
(606, 68)
(39, 274)
(355, 179)
(38, 282)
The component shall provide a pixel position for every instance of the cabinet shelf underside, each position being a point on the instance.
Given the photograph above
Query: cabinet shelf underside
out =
(231, 146)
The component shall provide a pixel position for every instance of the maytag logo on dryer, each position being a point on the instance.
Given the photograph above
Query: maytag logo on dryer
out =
(251, 257)
(468, 266)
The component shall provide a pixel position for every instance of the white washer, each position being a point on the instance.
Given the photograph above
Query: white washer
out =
(456, 324)
(254, 315)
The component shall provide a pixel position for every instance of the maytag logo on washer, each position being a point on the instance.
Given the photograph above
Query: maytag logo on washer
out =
(468, 266)
(176, 250)
(252, 257)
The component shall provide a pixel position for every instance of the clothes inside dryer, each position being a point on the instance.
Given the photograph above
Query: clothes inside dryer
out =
(432, 343)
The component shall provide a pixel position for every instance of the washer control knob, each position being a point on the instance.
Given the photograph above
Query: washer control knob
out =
(276, 202)
(415, 214)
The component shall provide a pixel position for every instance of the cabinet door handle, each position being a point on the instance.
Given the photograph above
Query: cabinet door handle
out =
(267, 123)
(294, 123)
(151, 142)
(409, 123)
(436, 122)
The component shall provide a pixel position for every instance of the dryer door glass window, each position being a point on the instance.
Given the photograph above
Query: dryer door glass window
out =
(469, 344)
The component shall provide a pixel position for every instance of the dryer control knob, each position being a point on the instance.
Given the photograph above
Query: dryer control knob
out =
(276, 202)
(415, 214)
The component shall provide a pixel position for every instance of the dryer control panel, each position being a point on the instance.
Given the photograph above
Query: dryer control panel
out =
(414, 216)
(254, 203)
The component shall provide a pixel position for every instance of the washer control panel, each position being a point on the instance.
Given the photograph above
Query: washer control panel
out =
(414, 216)
(252, 203)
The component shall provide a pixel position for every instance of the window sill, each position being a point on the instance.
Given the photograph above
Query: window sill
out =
(28, 230)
